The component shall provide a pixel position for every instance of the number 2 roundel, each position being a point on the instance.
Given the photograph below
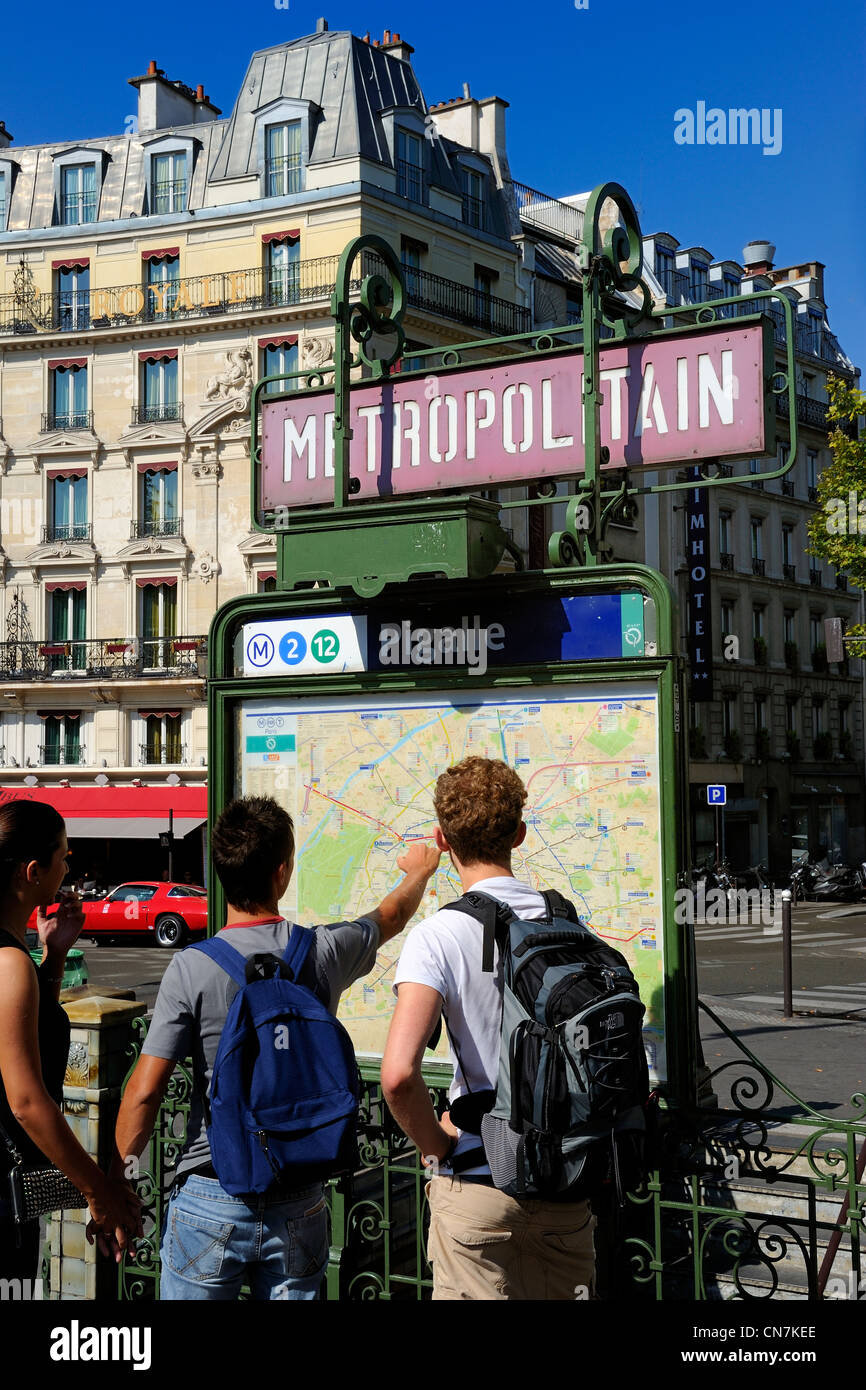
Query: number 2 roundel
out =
(293, 648)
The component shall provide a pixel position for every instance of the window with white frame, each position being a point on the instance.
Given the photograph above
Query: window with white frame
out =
(787, 544)
(790, 625)
(728, 612)
(157, 503)
(473, 198)
(61, 740)
(818, 716)
(410, 166)
(69, 397)
(162, 276)
(725, 546)
(162, 739)
(756, 529)
(78, 194)
(283, 161)
(277, 357)
(4, 197)
(729, 715)
(168, 181)
(158, 622)
(159, 390)
(812, 474)
(284, 270)
(68, 627)
(760, 713)
(68, 507)
(73, 297)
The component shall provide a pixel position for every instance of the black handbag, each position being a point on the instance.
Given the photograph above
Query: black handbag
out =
(34, 1192)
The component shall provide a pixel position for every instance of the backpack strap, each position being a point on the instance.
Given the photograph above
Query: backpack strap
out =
(558, 906)
(300, 942)
(495, 918)
(225, 956)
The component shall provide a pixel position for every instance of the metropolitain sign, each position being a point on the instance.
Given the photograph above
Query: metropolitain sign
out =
(666, 400)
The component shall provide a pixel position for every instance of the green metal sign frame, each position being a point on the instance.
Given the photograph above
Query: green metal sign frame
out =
(226, 689)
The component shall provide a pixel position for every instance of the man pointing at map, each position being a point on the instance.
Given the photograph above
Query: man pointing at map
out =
(484, 1245)
(212, 1241)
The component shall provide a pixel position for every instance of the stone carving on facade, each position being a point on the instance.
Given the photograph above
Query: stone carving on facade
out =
(206, 469)
(206, 567)
(317, 351)
(236, 380)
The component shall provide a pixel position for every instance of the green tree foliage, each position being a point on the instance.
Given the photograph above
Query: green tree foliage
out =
(837, 531)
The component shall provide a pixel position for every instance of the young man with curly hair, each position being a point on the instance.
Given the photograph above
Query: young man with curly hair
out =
(483, 1244)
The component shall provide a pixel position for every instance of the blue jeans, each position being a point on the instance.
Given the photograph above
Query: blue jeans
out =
(212, 1243)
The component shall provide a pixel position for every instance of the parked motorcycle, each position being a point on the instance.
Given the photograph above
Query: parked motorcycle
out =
(826, 882)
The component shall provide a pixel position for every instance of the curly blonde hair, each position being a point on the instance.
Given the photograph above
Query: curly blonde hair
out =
(479, 805)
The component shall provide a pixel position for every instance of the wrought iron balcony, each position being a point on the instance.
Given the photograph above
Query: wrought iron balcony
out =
(150, 414)
(841, 581)
(550, 213)
(809, 412)
(242, 292)
(725, 470)
(169, 195)
(675, 284)
(812, 494)
(152, 756)
(61, 754)
(76, 208)
(815, 578)
(758, 485)
(110, 658)
(67, 531)
(757, 565)
(156, 526)
(789, 572)
(410, 181)
(283, 175)
(787, 487)
(67, 420)
(726, 560)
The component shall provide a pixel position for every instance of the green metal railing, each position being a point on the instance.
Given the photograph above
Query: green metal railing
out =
(733, 1207)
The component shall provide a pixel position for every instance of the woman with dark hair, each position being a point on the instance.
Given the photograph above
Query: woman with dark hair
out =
(34, 1037)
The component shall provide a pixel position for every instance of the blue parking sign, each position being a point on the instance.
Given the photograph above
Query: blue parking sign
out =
(717, 796)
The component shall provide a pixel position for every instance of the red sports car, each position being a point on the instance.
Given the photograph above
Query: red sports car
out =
(171, 911)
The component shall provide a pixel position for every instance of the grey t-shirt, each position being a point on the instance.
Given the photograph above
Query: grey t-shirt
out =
(195, 995)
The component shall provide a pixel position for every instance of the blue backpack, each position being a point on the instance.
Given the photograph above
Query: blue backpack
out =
(284, 1094)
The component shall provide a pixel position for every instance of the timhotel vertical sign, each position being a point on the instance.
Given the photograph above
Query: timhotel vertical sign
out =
(699, 608)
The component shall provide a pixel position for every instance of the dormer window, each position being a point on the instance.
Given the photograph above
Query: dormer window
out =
(473, 198)
(410, 166)
(698, 279)
(168, 182)
(283, 162)
(77, 194)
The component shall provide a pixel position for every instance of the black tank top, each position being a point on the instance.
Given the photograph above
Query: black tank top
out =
(53, 1055)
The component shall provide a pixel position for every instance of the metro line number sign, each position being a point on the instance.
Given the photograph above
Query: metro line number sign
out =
(697, 394)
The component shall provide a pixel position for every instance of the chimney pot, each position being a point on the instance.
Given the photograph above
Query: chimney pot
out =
(466, 91)
(396, 38)
(387, 37)
(375, 43)
(321, 26)
(199, 93)
(367, 37)
(152, 69)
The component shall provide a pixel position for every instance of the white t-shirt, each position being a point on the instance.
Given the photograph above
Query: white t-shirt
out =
(444, 952)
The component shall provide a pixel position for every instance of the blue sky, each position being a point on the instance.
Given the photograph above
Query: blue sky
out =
(592, 97)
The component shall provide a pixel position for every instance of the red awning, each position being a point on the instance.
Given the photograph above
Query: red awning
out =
(74, 263)
(287, 340)
(55, 362)
(159, 713)
(293, 235)
(157, 354)
(157, 468)
(67, 473)
(134, 813)
(64, 584)
(158, 255)
(143, 583)
(266, 574)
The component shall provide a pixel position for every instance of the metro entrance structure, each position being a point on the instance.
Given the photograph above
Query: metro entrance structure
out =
(398, 640)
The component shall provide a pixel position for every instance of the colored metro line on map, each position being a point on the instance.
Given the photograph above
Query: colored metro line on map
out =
(358, 778)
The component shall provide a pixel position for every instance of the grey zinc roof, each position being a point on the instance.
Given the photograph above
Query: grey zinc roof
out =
(349, 81)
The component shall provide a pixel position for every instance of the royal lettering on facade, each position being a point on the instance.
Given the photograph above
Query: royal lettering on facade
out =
(665, 400)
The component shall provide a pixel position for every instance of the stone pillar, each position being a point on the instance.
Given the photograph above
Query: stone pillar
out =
(98, 1063)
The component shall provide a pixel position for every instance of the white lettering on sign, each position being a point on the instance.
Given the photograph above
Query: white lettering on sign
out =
(401, 644)
(695, 396)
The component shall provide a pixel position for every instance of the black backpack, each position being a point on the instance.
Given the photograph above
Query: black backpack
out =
(568, 1116)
